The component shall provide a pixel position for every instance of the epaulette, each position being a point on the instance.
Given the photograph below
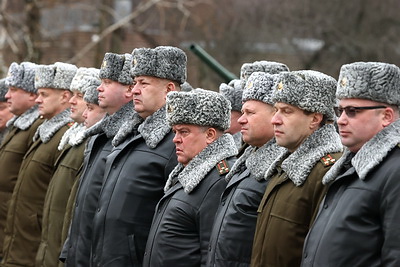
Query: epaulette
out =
(69, 125)
(223, 167)
(328, 160)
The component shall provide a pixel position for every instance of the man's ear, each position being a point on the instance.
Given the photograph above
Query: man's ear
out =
(388, 116)
(316, 120)
(66, 95)
(129, 91)
(171, 87)
(211, 135)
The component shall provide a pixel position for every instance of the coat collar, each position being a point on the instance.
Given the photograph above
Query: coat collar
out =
(153, 129)
(257, 160)
(298, 165)
(25, 121)
(73, 136)
(193, 173)
(50, 127)
(371, 154)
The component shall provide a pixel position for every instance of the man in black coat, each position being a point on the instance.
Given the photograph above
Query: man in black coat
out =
(139, 165)
(358, 221)
(180, 232)
(235, 221)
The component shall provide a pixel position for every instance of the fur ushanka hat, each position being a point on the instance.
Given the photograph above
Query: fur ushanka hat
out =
(22, 76)
(259, 87)
(233, 92)
(84, 79)
(307, 89)
(199, 107)
(117, 67)
(166, 62)
(270, 67)
(56, 76)
(375, 81)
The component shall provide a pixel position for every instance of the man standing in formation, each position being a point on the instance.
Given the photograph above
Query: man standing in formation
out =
(180, 232)
(358, 221)
(138, 167)
(23, 226)
(303, 124)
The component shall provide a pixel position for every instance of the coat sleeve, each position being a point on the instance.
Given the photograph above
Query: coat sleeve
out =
(206, 215)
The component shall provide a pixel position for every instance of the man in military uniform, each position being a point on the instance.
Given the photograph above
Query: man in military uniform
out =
(138, 167)
(21, 98)
(72, 147)
(358, 221)
(235, 221)
(303, 124)
(24, 218)
(115, 96)
(180, 232)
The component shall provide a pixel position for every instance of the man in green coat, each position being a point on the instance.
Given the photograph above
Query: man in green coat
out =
(24, 218)
(72, 147)
(303, 124)
(21, 98)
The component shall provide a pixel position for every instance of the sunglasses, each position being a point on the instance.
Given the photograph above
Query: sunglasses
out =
(352, 111)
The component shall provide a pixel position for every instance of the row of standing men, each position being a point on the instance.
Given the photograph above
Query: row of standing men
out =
(160, 182)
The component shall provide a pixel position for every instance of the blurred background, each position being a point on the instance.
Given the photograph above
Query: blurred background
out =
(303, 34)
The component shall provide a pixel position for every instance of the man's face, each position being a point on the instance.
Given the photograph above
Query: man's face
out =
(356, 131)
(49, 101)
(149, 94)
(189, 141)
(256, 122)
(5, 115)
(92, 114)
(235, 125)
(113, 95)
(291, 125)
(19, 100)
(78, 105)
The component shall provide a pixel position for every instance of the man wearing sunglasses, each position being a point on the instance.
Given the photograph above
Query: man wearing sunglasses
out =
(358, 221)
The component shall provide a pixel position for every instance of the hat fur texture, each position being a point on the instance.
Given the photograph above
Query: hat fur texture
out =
(270, 67)
(56, 76)
(259, 86)
(307, 89)
(22, 76)
(166, 62)
(233, 92)
(117, 67)
(375, 81)
(199, 107)
(84, 79)
(3, 90)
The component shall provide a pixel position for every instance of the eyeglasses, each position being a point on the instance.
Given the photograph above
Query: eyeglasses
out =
(352, 111)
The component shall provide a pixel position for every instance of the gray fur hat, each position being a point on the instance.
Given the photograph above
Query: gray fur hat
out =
(117, 67)
(375, 81)
(166, 62)
(259, 86)
(270, 67)
(307, 89)
(3, 90)
(91, 95)
(22, 76)
(199, 107)
(56, 76)
(84, 79)
(233, 92)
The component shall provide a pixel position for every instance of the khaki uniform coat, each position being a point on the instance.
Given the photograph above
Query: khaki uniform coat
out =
(12, 151)
(60, 186)
(24, 219)
(291, 199)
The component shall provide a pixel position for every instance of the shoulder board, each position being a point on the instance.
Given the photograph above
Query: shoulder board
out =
(328, 160)
(223, 167)
(69, 125)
